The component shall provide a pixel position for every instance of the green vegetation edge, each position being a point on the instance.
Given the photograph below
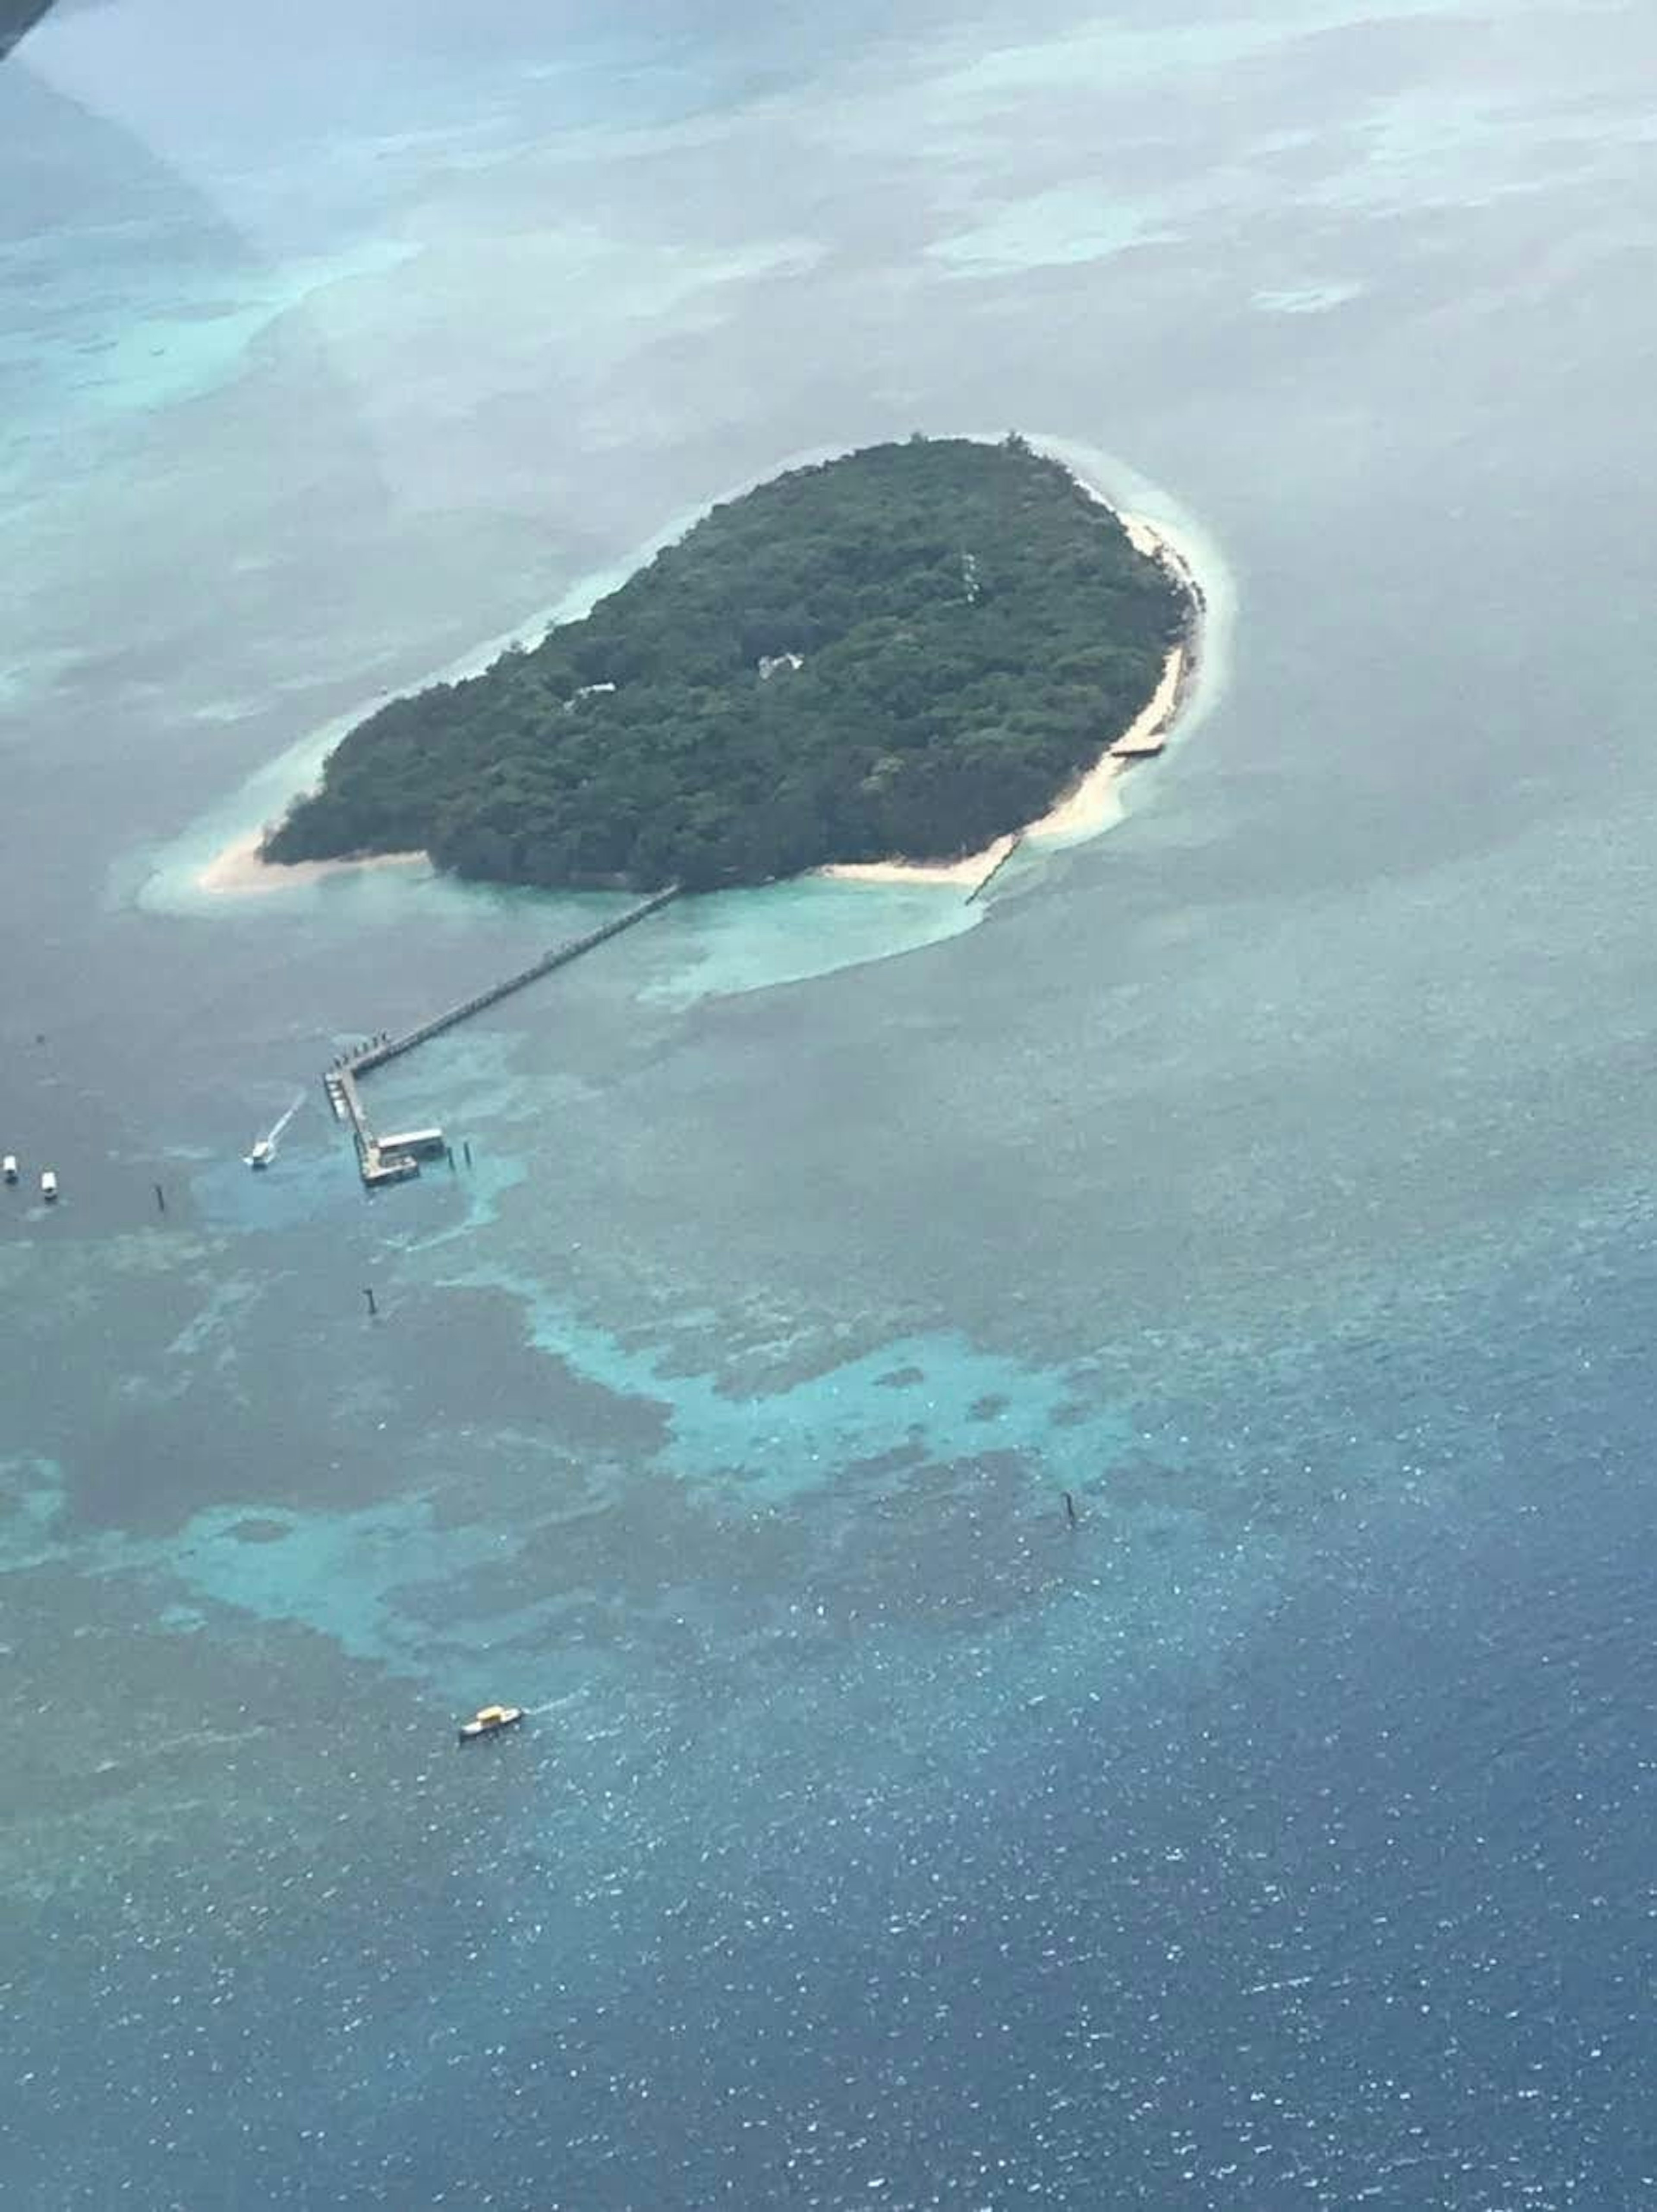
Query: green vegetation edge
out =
(912, 650)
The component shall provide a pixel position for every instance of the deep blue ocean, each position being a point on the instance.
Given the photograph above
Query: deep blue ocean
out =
(1272, 1173)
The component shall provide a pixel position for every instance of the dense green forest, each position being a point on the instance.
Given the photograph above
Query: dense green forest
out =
(908, 651)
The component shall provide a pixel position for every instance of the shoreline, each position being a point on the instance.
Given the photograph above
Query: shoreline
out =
(237, 871)
(1092, 804)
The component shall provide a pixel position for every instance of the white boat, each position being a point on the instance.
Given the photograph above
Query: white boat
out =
(48, 1186)
(264, 1148)
(9, 1167)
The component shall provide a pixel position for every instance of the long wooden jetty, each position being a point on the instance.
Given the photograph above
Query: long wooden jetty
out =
(383, 1163)
(389, 1048)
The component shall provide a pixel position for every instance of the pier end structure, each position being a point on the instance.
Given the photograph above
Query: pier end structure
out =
(395, 1159)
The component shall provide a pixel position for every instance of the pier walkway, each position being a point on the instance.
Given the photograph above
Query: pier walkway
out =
(380, 1165)
(377, 1055)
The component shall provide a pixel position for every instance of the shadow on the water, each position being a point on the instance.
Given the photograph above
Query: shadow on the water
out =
(17, 17)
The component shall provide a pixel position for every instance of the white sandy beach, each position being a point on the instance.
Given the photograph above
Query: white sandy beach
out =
(237, 871)
(1092, 803)
(968, 871)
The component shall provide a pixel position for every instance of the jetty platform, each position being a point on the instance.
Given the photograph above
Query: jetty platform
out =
(394, 1159)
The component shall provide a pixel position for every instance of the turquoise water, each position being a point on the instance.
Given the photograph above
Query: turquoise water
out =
(114, 354)
(1271, 1174)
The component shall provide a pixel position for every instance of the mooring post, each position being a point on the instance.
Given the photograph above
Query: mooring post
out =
(373, 1307)
(160, 1200)
(467, 1148)
(1070, 1509)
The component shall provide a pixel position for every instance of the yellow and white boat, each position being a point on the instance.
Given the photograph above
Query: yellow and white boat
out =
(489, 1720)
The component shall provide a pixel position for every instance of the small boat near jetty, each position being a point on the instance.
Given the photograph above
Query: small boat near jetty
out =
(491, 1720)
(49, 1187)
(9, 1167)
(264, 1148)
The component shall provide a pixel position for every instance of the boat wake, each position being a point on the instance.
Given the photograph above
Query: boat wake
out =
(264, 1150)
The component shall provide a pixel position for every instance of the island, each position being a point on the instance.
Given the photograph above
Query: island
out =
(913, 650)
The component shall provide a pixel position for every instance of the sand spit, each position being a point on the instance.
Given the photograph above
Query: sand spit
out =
(239, 872)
